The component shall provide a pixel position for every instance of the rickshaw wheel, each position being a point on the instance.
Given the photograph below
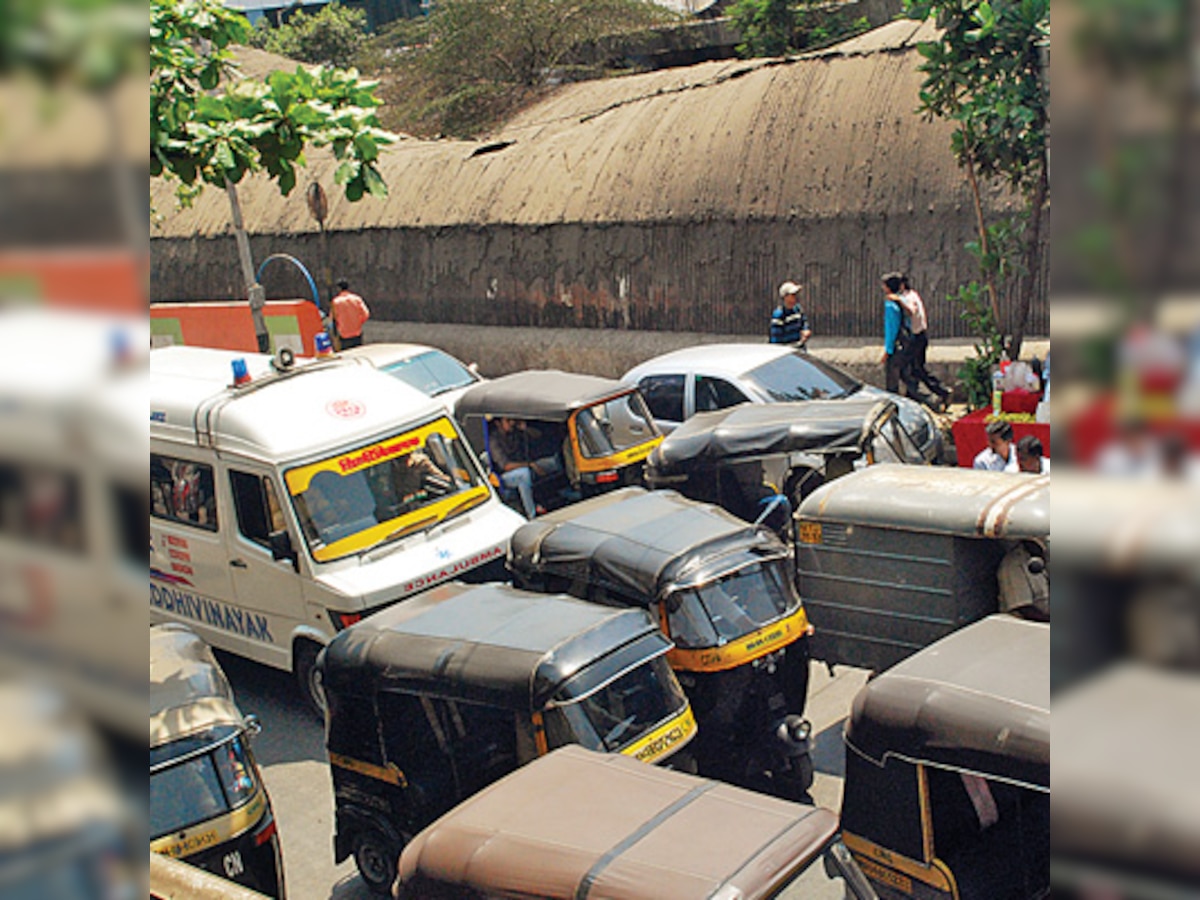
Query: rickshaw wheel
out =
(376, 856)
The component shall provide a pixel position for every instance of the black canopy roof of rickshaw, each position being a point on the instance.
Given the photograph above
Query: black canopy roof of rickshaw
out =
(978, 699)
(544, 394)
(755, 429)
(641, 542)
(488, 643)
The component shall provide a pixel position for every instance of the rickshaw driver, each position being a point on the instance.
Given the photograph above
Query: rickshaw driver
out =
(509, 451)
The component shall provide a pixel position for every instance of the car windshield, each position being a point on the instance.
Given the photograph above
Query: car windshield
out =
(798, 376)
(199, 788)
(385, 490)
(432, 373)
(615, 425)
(620, 711)
(731, 607)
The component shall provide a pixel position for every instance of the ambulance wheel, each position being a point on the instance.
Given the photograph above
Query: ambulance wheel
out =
(376, 856)
(304, 664)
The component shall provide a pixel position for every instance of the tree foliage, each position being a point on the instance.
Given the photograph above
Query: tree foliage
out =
(330, 36)
(208, 127)
(520, 42)
(986, 73)
(767, 26)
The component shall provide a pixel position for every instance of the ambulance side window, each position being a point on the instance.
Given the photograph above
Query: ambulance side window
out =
(258, 511)
(181, 490)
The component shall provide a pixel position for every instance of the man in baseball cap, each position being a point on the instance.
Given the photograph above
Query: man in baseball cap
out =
(789, 324)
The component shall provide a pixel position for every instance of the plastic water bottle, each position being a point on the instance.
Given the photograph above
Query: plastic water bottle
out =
(997, 392)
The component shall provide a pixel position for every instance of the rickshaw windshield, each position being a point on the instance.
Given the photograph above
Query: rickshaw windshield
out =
(383, 491)
(200, 787)
(618, 712)
(731, 607)
(615, 425)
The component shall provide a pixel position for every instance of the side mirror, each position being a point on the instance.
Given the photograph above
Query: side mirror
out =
(253, 725)
(473, 368)
(281, 547)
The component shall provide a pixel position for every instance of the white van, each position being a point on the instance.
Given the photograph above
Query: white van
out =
(288, 506)
(73, 461)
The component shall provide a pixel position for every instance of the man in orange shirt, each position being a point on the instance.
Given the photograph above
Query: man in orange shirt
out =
(349, 315)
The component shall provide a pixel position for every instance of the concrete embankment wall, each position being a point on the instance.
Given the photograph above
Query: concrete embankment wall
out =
(672, 201)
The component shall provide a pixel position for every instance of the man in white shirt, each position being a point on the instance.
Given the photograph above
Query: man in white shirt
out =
(918, 323)
(1000, 452)
(1030, 457)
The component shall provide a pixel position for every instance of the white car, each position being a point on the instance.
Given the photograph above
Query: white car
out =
(433, 372)
(707, 377)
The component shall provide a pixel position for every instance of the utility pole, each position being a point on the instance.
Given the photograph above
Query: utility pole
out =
(254, 291)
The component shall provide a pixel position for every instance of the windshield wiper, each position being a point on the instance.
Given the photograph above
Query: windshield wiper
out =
(462, 505)
(404, 531)
(850, 391)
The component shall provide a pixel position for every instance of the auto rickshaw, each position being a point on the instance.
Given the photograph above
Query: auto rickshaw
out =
(742, 457)
(947, 788)
(435, 698)
(577, 823)
(891, 558)
(67, 830)
(1123, 824)
(721, 591)
(601, 430)
(208, 804)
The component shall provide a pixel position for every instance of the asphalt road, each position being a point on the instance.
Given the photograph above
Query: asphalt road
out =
(291, 753)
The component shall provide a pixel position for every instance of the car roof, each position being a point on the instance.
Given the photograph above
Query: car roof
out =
(955, 501)
(312, 408)
(385, 354)
(577, 819)
(728, 359)
(485, 642)
(544, 394)
(638, 542)
(978, 699)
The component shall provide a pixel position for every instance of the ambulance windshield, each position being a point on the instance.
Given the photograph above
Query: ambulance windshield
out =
(385, 490)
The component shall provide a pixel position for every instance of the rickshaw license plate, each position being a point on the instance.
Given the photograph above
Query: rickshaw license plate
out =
(809, 532)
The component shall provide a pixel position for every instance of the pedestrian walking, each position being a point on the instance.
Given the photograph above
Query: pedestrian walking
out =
(918, 326)
(349, 313)
(789, 322)
(894, 357)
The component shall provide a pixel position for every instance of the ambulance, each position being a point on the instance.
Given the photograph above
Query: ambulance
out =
(291, 498)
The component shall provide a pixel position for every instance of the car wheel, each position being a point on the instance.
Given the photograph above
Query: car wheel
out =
(376, 856)
(308, 678)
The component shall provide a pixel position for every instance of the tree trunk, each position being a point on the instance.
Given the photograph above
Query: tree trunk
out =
(254, 291)
(989, 278)
(1033, 261)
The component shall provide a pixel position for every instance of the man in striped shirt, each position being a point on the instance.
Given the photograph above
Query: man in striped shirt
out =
(789, 324)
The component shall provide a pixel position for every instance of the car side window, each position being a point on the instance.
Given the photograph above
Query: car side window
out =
(182, 490)
(258, 511)
(664, 396)
(716, 393)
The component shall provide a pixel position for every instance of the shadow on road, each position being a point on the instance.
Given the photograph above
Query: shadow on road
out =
(829, 753)
(291, 733)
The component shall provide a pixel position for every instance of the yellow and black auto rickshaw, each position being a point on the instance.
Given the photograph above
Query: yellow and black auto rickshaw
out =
(208, 804)
(722, 591)
(947, 789)
(599, 429)
(435, 698)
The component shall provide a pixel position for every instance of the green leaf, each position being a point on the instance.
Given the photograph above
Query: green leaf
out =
(364, 144)
(345, 172)
(374, 182)
(354, 189)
